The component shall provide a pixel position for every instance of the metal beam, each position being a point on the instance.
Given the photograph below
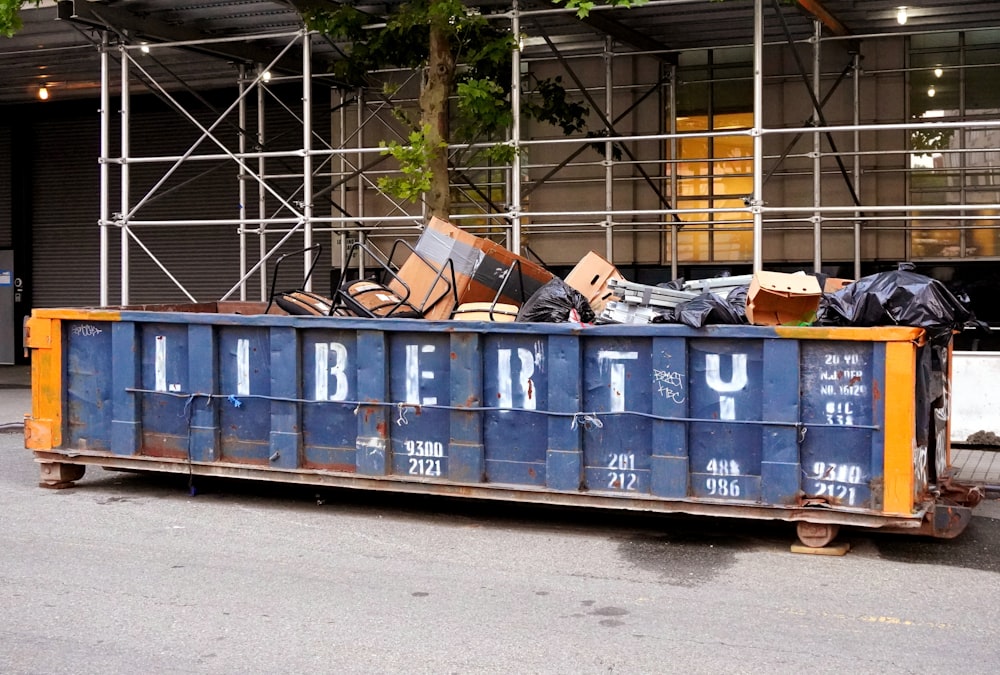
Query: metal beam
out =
(817, 106)
(609, 127)
(816, 9)
(629, 36)
(137, 27)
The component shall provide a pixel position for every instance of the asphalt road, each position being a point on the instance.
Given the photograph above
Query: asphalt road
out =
(130, 573)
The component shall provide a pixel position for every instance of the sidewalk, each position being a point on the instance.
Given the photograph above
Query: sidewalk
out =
(15, 396)
(980, 467)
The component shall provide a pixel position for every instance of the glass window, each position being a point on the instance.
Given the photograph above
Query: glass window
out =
(715, 94)
(954, 76)
(719, 174)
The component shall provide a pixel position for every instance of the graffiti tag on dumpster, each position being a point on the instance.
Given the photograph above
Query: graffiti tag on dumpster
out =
(86, 330)
(921, 473)
(669, 385)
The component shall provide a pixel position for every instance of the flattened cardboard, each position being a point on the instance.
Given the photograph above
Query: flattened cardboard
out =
(479, 265)
(419, 274)
(778, 299)
(489, 275)
(591, 276)
(486, 311)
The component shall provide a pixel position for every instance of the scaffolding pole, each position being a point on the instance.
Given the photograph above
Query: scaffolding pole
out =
(514, 199)
(817, 139)
(261, 192)
(105, 180)
(307, 160)
(675, 228)
(757, 200)
(362, 234)
(124, 175)
(856, 81)
(609, 166)
(242, 116)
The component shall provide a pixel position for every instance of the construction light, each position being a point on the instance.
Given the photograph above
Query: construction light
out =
(43, 93)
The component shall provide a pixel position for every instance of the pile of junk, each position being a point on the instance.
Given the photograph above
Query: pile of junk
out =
(452, 274)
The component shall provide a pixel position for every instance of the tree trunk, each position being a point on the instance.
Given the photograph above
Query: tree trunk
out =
(434, 92)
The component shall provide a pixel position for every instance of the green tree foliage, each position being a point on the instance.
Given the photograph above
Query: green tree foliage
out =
(10, 15)
(470, 69)
(583, 7)
(414, 157)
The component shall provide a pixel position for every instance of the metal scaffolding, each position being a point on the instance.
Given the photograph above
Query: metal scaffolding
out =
(626, 185)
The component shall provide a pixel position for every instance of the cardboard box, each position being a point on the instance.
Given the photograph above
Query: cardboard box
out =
(833, 284)
(591, 276)
(479, 265)
(778, 299)
(486, 311)
(489, 274)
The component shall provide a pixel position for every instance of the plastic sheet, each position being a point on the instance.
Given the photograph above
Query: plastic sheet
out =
(554, 303)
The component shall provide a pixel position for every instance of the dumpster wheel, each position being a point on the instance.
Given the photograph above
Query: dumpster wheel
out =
(816, 535)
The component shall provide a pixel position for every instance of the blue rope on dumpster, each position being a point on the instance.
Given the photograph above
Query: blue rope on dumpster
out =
(594, 417)
(586, 420)
(188, 405)
(401, 420)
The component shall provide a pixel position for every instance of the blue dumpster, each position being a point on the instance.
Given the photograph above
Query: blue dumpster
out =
(819, 426)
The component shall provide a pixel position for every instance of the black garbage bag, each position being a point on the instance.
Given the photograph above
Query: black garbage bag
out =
(901, 298)
(553, 302)
(664, 315)
(675, 285)
(709, 308)
(737, 299)
(624, 315)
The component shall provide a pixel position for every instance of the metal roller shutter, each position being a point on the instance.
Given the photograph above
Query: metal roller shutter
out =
(65, 252)
(203, 258)
(5, 198)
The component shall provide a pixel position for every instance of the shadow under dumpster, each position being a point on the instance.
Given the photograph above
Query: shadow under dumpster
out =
(698, 549)
(978, 548)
